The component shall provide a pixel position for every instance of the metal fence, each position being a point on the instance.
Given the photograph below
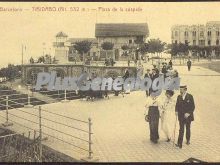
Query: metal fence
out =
(48, 124)
(14, 148)
(30, 98)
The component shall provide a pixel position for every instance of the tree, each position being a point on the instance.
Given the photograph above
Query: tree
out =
(155, 46)
(139, 40)
(180, 48)
(107, 46)
(11, 72)
(195, 49)
(83, 47)
(172, 49)
(143, 48)
(125, 48)
(183, 48)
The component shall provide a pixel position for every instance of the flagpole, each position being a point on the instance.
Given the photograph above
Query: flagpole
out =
(22, 63)
(22, 55)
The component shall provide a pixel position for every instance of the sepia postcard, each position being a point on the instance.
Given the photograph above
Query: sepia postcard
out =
(110, 82)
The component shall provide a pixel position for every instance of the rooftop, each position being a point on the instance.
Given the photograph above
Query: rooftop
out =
(61, 34)
(74, 40)
(121, 29)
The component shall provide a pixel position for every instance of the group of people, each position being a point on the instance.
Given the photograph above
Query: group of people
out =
(167, 71)
(109, 62)
(169, 110)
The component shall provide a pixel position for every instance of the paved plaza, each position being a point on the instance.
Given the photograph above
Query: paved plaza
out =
(121, 133)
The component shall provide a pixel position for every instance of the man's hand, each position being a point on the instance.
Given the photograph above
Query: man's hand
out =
(186, 115)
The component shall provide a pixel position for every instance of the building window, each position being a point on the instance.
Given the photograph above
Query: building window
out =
(176, 33)
(175, 41)
(202, 34)
(209, 42)
(209, 33)
(194, 33)
(217, 42)
(130, 41)
(194, 42)
(217, 33)
(186, 34)
(202, 42)
(172, 34)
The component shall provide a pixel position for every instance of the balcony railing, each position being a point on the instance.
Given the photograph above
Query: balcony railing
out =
(58, 44)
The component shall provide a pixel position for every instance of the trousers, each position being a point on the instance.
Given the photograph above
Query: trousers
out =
(153, 115)
(189, 67)
(182, 125)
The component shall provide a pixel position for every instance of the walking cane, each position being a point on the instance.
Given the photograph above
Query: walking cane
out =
(174, 131)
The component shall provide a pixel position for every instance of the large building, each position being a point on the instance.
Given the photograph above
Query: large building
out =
(198, 35)
(61, 49)
(64, 51)
(119, 34)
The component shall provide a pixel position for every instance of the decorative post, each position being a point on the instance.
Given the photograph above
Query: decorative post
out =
(29, 98)
(90, 138)
(7, 123)
(90, 157)
(65, 98)
(34, 134)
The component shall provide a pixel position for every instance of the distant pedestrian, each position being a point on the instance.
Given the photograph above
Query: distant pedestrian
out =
(170, 64)
(175, 74)
(112, 61)
(126, 74)
(189, 64)
(184, 110)
(156, 69)
(147, 75)
(135, 61)
(129, 62)
(164, 71)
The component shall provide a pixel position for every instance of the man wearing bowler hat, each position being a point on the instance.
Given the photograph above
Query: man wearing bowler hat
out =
(184, 109)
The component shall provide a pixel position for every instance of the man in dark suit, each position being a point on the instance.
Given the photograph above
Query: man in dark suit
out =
(189, 64)
(184, 109)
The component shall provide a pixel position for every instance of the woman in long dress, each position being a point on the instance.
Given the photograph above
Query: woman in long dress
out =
(168, 114)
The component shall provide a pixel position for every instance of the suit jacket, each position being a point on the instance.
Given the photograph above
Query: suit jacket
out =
(126, 75)
(146, 75)
(153, 77)
(185, 106)
(189, 63)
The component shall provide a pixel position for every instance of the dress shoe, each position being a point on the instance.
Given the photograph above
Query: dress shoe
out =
(188, 142)
(178, 145)
(168, 140)
(154, 141)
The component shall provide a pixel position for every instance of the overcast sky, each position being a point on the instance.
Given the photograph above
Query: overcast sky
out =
(33, 28)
